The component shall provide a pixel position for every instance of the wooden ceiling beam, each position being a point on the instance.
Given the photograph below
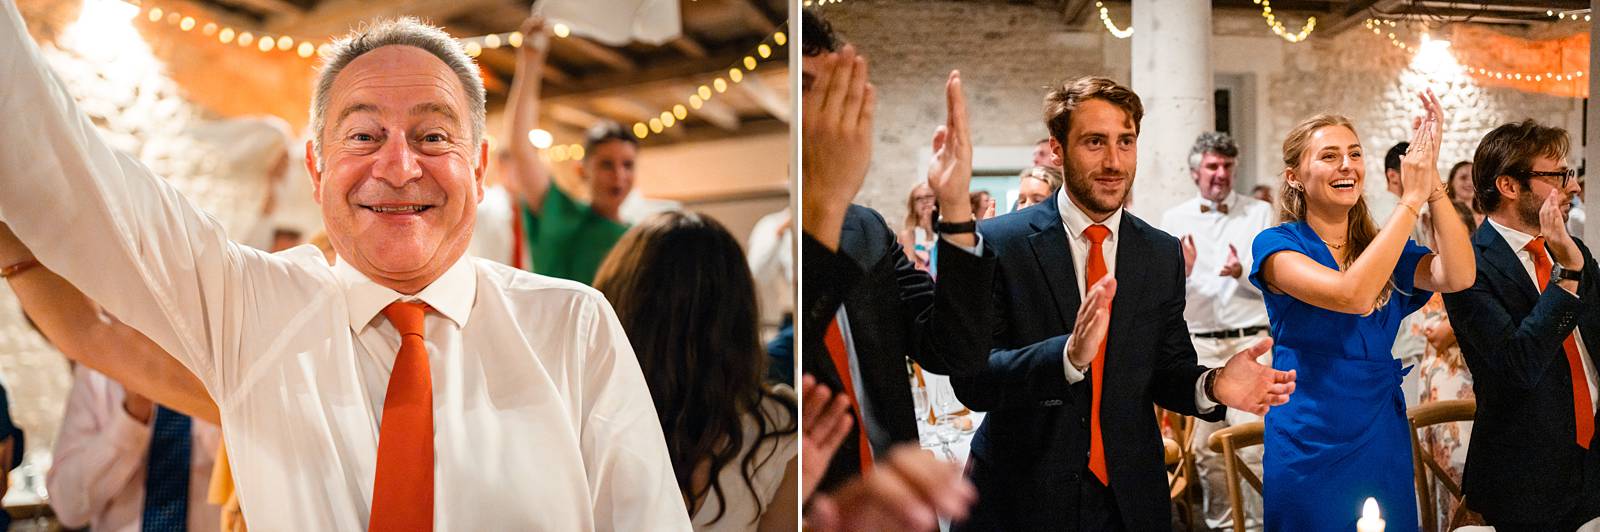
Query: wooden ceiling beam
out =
(335, 17)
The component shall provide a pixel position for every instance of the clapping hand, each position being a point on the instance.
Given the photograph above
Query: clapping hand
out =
(1249, 386)
(837, 131)
(1094, 318)
(907, 490)
(1419, 169)
(1232, 268)
(825, 423)
(1553, 225)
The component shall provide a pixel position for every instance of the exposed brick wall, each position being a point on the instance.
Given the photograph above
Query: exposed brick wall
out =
(1009, 53)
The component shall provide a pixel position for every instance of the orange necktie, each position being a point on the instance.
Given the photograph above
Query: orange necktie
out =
(1093, 271)
(1580, 384)
(834, 342)
(402, 493)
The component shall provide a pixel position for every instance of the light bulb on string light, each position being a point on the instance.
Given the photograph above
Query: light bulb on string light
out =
(1105, 19)
(667, 120)
(735, 75)
(285, 43)
(655, 125)
(720, 85)
(265, 44)
(226, 35)
(540, 138)
(640, 130)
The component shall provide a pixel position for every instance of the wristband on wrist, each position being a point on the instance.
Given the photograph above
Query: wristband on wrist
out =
(17, 268)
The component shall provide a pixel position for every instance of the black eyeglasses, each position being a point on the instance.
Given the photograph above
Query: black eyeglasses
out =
(1566, 175)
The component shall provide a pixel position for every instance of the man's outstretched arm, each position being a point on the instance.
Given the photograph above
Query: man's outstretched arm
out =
(77, 327)
(106, 224)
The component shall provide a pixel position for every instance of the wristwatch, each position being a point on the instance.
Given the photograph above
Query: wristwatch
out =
(953, 228)
(1563, 274)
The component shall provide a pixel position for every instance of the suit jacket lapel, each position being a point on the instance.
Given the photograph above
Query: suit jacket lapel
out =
(1499, 255)
(1133, 249)
(1049, 244)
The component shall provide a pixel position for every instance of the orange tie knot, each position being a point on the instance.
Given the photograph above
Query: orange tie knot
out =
(406, 316)
(1097, 233)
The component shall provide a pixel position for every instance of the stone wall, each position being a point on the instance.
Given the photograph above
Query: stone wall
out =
(1008, 54)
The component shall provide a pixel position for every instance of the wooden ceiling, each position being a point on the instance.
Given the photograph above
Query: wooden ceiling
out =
(584, 81)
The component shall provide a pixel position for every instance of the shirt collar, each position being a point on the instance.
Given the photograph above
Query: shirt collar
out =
(1516, 239)
(451, 295)
(1076, 220)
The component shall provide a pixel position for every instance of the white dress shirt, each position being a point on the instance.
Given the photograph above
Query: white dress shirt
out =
(101, 457)
(1220, 302)
(1076, 221)
(772, 457)
(1518, 240)
(542, 418)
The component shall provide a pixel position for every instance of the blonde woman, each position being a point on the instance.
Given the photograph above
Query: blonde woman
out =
(1336, 288)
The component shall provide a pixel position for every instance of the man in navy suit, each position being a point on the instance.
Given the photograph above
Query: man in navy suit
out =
(1071, 440)
(1528, 329)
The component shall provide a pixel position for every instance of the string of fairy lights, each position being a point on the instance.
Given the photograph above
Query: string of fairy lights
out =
(1266, 12)
(1387, 28)
(474, 47)
(673, 116)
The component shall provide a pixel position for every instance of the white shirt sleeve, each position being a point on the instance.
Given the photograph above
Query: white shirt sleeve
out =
(1073, 375)
(104, 222)
(1202, 404)
(98, 451)
(630, 474)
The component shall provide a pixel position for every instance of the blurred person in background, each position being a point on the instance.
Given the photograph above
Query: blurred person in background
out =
(684, 294)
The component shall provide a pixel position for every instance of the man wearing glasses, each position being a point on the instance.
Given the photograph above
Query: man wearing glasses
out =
(1527, 329)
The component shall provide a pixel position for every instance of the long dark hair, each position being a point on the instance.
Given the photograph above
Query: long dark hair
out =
(684, 294)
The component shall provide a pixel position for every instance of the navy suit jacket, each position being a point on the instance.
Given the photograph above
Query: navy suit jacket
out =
(895, 312)
(1032, 449)
(1524, 464)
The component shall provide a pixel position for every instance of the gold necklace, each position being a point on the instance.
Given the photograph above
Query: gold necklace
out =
(1331, 244)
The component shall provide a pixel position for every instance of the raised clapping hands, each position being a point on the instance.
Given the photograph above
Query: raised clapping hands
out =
(950, 172)
(1246, 385)
(1419, 169)
(1553, 225)
(837, 133)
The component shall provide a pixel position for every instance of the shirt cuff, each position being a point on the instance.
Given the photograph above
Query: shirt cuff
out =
(1203, 404)
(1073, 375)
(975, 250)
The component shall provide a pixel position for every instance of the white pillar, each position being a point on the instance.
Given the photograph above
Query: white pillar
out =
(1171, 71)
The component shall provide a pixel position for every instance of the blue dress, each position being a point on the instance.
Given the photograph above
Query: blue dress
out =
(1343, 435)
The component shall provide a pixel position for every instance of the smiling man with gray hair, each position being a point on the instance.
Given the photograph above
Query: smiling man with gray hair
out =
(406, 386)
(1224, 311)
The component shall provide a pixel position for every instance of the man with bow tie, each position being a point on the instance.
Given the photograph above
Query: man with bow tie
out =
(1225, 312)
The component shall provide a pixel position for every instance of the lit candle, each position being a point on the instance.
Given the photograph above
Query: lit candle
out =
(1370, 522)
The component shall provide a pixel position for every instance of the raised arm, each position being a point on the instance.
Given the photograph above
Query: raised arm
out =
(77, 327)
(1355, 289)
(522, 107)
(1452, 268)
